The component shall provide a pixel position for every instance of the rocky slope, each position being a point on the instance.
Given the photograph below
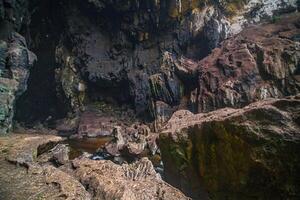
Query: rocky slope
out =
(245, 153)
(37, 167)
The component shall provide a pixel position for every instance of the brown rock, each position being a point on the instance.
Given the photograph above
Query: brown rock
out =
(26, 148)
(236, 153)
(139, 180)
(59, 155)
(35, 180)
(70, 188)
(261, 62)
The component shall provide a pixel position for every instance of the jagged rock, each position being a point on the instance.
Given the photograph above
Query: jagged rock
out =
(105, 57)
(117, 143)
(261, 62)
(26, 148)
(164, 88)
(130, 136)
(121, 58)
(59, 155)
(68, 80)
(162, 113)
(38, 180)
(139, 180)
(132, 141)
(69, 187)
(236, 153)
(15, 62)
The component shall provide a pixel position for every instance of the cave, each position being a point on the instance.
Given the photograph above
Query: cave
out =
(40, 102)
(149, 99)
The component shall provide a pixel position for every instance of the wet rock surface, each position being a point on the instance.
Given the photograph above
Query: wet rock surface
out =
(129, 136)
(236, 153)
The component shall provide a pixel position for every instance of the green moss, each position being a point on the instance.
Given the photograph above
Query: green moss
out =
(222, 159)
(275, 19)
(233, 162)
(179, 153)
(4, 151)
(231, 7)
(181, 7)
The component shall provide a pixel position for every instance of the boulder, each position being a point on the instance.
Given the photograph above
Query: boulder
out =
(106, 180)
(28, 175)
(251, 152)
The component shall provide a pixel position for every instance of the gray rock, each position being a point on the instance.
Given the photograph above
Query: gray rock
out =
(16, 60)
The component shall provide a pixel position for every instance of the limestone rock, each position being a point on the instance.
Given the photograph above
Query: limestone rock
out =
(261, 62)
(236, 153)
(15, 61)
(70, 188)
(27, 176)
(25, 150)
(139, 180)
(58, 155)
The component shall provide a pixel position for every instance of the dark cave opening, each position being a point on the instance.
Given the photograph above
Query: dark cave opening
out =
(120, 94)
(40, 102)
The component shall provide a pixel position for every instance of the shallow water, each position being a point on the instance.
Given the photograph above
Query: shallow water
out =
(89, 145)
(93, 145)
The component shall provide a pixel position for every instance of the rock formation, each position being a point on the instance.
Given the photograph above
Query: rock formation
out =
(236, 153)
(84, 69)
(121, 51)
(260, 62)
(135, 181)
(81, 178)
(122, 58)
(16, 60)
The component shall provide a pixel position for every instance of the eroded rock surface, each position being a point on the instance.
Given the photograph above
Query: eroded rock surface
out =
(128, 58)
(24, 178)
(15, 62)
(36, 167)
(135, 181)
(236, 153)
(261, 62)
(152, 56)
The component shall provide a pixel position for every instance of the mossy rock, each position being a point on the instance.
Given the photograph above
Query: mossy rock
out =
(254, 155)
(231, 7)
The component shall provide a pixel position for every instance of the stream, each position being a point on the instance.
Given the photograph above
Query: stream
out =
(94, 147)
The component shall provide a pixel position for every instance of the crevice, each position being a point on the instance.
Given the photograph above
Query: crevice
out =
(40, 103)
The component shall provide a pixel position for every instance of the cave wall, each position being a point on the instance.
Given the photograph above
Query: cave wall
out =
(114, 44)
(15, 60)
(128, 52)
(41, 101)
